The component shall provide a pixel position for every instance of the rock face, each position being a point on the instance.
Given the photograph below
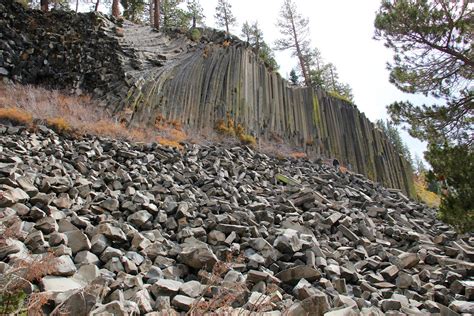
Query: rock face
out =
(143, 75)
(212, 227)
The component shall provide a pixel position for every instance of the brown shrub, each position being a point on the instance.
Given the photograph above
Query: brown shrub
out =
(16, 115)
(225, 128)
(298, 155)
(226, 43)
(247, 139)
(59, 124)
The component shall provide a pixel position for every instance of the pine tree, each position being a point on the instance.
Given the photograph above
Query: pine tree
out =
(432, 42)
(326, 77)
(393, 135)
(419, 165)
(224, 16)
(133, 9)
(195, 11)
(294, 79)
(246, 31)
(256, 37)
(295, 32)
(266, 54)
(173, 15)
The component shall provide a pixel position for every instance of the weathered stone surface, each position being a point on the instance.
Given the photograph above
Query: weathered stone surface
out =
(288, 242)
(63, 266)
(13, 196)
(297, 273)
(139, 218)
(77, 241)
(192, 289)
(182, 302)
(197, 256)
(390, 272)
(388, 305)
(166, 287)
(59, 284)
(408, 260)
(462, 307)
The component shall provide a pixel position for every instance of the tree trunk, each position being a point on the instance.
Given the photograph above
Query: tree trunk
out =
(332, 80)
(77, 5)
(115, 8)
(97, 6)
(304, 70)
(299, 53)
(226, 19)
(194, 21)
(44, 5)
(151, 9)
(156, 16)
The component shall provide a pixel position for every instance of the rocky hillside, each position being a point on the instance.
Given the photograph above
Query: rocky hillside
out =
(99, 225)
(142, 75)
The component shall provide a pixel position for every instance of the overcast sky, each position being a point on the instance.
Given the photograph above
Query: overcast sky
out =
(343, 31)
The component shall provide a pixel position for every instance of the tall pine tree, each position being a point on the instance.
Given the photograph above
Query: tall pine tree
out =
(432, 42)
(294, 29)
(224, 16)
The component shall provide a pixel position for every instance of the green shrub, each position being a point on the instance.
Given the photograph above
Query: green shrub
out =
(24, 3)
(247, 139)
(196, 35)
(458, 212)
(339, 96)
(12, 303)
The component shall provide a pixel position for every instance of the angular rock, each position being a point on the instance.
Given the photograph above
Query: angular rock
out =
(182, 302)
(77, 241)
(293, 275)
(197, 256)
(288, 242)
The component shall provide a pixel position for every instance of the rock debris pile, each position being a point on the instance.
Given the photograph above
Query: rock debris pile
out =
(143, 229)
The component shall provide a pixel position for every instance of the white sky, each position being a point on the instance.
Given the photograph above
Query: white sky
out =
(343, 31)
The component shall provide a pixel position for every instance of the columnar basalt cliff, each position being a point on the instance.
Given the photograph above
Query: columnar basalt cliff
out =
(142, 74)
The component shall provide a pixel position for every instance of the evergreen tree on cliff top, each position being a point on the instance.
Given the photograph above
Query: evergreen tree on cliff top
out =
(294, 30)
(196, 12)
(254, 38)
(132, 9)
(433, 55)
(173, 16)
(224, 16)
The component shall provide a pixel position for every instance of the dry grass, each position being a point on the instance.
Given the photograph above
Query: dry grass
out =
(59, 124)
(298, 155)
(224, 297)
(226, 44)
(16, 115)
(78, 115)
(429, 198)
(20, 272)
(171, 132)
(247, 139)
(228, 128)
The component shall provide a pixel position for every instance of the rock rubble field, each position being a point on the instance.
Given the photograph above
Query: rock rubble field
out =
(140, 229)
